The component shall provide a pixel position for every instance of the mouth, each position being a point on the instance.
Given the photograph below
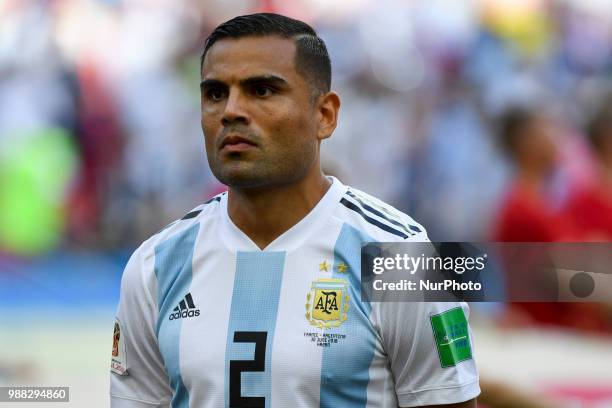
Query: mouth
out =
(235, 143)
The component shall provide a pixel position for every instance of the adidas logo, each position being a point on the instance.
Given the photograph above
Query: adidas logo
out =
(185, 309)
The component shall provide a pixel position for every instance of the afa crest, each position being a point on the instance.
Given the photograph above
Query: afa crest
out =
(327, 303)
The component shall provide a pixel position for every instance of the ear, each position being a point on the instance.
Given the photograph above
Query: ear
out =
(328, 106)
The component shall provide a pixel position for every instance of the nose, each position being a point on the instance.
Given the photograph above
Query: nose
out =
(235, 109)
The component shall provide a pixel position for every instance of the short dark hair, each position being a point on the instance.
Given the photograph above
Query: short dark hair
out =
(311, 57)
(512, 124)
(599, 127)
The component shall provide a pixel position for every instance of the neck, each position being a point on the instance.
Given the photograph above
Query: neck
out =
(265, 214)
(532, 175)
(605, 169)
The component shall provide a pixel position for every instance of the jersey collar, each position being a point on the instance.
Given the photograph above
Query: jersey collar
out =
(236, 240)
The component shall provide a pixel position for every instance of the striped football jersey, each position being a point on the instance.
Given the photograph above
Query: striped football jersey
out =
(207, 319)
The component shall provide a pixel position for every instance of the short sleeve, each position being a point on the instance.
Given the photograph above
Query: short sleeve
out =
(138, 377)
(429, 346)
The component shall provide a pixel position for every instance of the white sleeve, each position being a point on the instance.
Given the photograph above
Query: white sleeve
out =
(138, 377)
(429, 346)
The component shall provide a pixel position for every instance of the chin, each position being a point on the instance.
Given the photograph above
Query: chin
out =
(242, 178)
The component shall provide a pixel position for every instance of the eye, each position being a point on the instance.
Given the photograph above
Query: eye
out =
(214, 95)
(262, 91)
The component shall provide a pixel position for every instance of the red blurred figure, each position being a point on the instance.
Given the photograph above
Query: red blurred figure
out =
(528, 215)
(590, 208)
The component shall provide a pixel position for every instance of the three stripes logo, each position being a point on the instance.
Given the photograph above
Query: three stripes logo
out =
(186, 308)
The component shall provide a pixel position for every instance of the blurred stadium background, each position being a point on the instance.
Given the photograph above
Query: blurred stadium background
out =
(101, 146)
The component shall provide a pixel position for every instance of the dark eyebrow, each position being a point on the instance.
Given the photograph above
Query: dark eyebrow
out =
(208, 83)
(265, 79)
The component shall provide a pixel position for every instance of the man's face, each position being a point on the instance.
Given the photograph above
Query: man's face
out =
(258, 117)
(539, 143)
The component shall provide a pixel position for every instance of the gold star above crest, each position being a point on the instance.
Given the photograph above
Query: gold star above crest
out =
(342, 267)
(324, 266)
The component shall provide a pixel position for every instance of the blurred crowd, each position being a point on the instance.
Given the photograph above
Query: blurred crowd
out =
(482, 119)
(100, 139)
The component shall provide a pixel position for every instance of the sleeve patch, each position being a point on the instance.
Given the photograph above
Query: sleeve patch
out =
(452, 337)
(118, 360)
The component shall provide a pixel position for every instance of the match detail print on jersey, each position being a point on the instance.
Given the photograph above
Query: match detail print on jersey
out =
(452, 337)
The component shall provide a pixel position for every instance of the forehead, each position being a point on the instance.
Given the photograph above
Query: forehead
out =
(248, 56)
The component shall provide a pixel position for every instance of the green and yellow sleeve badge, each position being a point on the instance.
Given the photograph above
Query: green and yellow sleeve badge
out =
(452, 336)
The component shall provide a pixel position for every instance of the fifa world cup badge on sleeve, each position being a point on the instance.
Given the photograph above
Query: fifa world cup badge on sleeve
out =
(118, 360)
(452, 337)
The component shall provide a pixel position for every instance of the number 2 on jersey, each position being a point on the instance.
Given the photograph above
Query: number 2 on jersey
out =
(237, 367)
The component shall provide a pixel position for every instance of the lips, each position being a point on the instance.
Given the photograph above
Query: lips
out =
(236, 141)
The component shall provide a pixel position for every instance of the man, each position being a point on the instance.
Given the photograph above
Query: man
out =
(590, 205)
(526, 213)
(253, 299)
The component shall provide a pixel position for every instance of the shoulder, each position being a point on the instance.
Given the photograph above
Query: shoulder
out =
(139, 280)
(201, 214)
(378, 219)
